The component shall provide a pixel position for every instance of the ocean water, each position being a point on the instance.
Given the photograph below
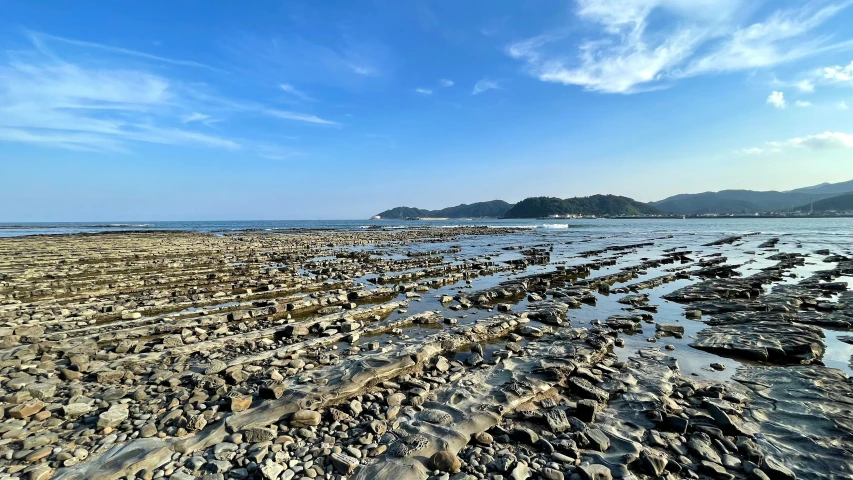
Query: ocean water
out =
(778, 226)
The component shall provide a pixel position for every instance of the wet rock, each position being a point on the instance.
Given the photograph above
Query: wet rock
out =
(586, 410)
(653, 462)
(585, 389)
(594, 472)
(765, 341)
(525, 435)
(775, 470)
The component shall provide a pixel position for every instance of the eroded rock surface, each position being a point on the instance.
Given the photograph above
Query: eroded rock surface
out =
(422, 353)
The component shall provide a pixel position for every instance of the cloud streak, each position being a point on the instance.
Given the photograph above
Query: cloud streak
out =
(100, 106)
(817, 142)
(38, 39)
(290, 89)
(644, 45)
(485, 85)
(300, 117)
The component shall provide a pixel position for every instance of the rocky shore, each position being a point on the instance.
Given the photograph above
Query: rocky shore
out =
(425, 353)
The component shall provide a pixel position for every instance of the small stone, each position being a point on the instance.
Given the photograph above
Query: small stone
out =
(344, 464)
(26, 409)
(598, 439)
(653, 462)
(586, 410)
(776, 470)
(240, 403)
(483, 438)
(112, 417)
(446, 461)
(594, 472)
(258, 434)
(148, 430)
(305, 418)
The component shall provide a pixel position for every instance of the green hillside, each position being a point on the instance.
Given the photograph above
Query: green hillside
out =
(840, 203)
(599, 205)
(735, 202)
(493, 208)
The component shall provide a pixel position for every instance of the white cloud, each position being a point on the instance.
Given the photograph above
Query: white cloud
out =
(194, 117)
(446, 83)
(803, 104)
(648, 44)
(484, 85)
(777, 99)
(839, 74)
(843, 105)
(806, 86)
(823, 141)
(423, 91)
(300, 117)
(836, 75)
(102, 102)
(751, 151)
(52, 102)
(365, 70)
(288, 88)
(276, 152)
(820, 141)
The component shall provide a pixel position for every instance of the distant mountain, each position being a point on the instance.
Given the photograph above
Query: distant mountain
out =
(599, 205)
(722, 202)
(833, 188)
(494, 208)
(840, 203)
(736, 201)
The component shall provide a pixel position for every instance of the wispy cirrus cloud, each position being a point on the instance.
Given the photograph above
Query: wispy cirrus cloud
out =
(485, 85)
(446, 83)
(343, 62)
(290, 89)
(91, 108)
(102, 103)
(194, 117)
(648, 44)
(423, 91)
(300, 117)
(276, 152)
(39, 39)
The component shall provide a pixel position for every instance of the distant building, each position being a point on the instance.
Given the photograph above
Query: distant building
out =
(376, 217)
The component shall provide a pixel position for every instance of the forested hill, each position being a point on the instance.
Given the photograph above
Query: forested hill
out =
(494, 208)
(598, 205)
(841, 203)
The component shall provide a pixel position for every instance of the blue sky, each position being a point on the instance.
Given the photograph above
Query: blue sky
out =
(157, 110)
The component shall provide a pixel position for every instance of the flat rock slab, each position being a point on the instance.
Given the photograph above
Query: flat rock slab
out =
(775, 342)
(803, 414)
